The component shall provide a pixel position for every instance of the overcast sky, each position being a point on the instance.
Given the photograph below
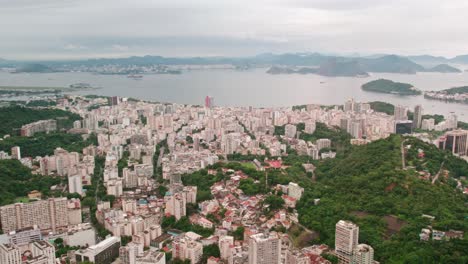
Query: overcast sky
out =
(59, 29)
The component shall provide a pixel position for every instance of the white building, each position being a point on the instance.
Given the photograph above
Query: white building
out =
(264, 248)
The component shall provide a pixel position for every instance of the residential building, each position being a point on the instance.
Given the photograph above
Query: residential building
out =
(103, 253)
(264, 248)
(363, 254)
(10, 254)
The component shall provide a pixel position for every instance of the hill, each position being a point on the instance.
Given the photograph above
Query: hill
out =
(390, 63)
(443, 68)
(17, 181)
(368, 187)
(391, 87)
(455, 90)
(337, 67)
(34, 67)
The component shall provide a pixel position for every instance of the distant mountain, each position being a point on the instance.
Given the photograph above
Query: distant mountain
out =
(463, 59)
(390, 63)
(337, 67)
(332, 67)
(443, 68)
(428, 60)
(35, 67)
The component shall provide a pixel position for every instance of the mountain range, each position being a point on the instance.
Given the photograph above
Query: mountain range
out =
(327, 65)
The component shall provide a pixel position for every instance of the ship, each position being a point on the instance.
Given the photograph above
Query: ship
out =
(135, 76)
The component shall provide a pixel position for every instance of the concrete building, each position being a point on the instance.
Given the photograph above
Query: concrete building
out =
(401, 113)
(10, 254)
(455, 141)
(346, 237)
(417, 117)
(264, 248)
(43, 248)
(24, 236)
(323, 143)
(75, 185)
(363, 254)
(295, 191)
(186, 248)
(176, 205)
(290, 131)
(48, 214)
(40, 126)
(103, 253)
(16, 153)
(225, 243)
(296, 257)
(310, 127)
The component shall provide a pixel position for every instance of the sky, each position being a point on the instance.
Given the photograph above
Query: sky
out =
(79, 29)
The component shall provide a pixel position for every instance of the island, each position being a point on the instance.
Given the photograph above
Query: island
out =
(390, 87)
(455, 94)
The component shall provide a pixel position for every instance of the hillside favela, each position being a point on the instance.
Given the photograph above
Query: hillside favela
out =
(214, 132)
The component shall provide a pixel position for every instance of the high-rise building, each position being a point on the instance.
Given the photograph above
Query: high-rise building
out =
(43, 248)
(295, 191)
(290, 131)
(75, 185)
(16, 153)
(455, 141)
(46, 214)
(225, 243)
(209, 101)
(10, 254)
(176, 205)
(363, 254)
(417, 117)
(310, 127)
(185, 248)
(349, 105)
(323, 143)
(403, 127)
(400, 113)
(264, 248)
(428, 124)
(346, 237)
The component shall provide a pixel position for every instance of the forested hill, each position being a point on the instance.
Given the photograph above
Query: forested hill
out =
(13, 117)
(369, 186)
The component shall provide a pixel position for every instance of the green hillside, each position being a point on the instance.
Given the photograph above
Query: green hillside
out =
(391, 87)
(17, 181)
(14, 117)
(369, 187)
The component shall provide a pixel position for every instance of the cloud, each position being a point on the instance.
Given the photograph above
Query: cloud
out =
(65, 28)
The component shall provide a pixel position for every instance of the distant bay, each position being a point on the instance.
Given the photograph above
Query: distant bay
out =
(253, 87)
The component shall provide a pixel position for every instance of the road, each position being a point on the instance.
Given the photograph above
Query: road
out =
(438, 173)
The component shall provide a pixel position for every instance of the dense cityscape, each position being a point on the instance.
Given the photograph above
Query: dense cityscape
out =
(171, 183)
(233, 132)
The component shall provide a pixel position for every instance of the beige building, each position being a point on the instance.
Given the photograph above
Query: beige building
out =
(363, 254)
(9, 254)
(346, 239)
(264, 248)
(46, 214)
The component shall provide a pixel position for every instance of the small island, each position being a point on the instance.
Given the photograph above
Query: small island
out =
(390, 87)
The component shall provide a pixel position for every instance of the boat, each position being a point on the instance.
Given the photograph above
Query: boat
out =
(135, 76)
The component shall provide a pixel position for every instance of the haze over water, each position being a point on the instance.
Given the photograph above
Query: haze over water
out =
(253, 88)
